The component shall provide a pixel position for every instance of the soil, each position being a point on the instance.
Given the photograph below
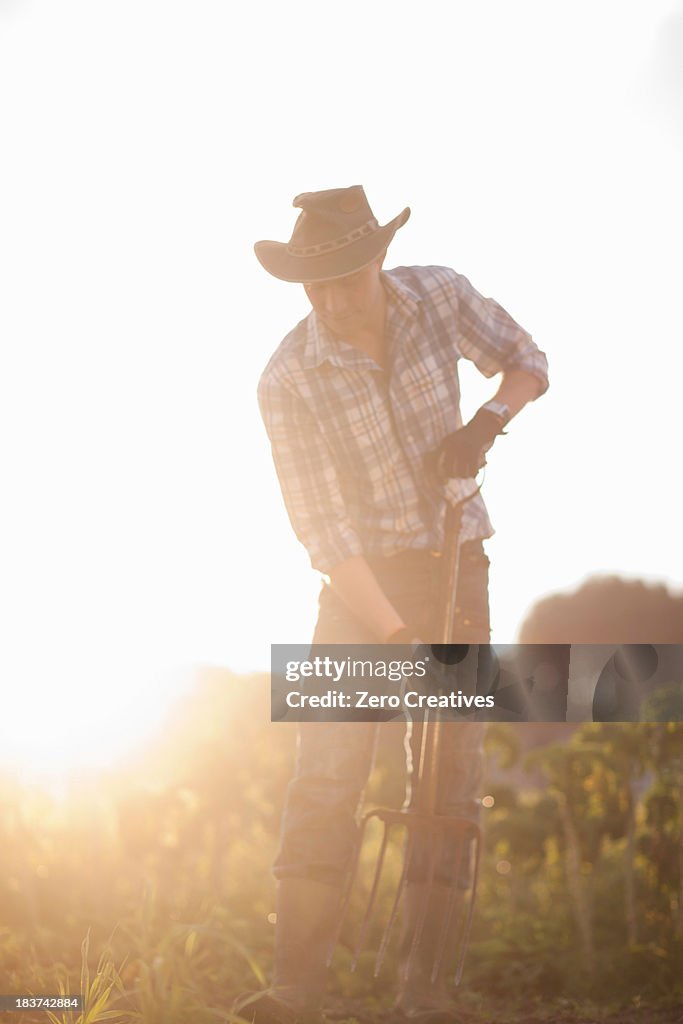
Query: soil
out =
(358, 1012)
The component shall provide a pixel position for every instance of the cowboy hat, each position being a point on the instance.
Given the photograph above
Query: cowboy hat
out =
(336, 234)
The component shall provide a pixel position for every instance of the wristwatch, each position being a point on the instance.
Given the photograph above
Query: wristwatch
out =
(498, 409)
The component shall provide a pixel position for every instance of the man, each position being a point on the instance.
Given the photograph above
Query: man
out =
(361, 405)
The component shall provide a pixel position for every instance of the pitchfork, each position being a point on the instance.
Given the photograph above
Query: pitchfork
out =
(423, 820)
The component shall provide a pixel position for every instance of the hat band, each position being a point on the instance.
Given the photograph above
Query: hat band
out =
(368, 228)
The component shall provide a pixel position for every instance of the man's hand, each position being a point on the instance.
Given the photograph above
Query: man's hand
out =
(433, 680)
(463, 453)
(404, 635)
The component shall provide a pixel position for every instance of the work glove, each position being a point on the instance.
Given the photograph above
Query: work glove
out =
(463, 453)
(440, 658)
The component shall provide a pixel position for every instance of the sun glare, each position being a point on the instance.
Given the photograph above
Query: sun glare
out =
(143, 526)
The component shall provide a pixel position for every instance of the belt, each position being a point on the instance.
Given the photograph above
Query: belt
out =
(414, 555)
(409, 556)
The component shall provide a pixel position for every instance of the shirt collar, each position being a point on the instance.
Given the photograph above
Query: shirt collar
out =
(321, 345)
(405, 296)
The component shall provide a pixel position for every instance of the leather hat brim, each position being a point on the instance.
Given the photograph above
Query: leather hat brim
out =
(278, 261)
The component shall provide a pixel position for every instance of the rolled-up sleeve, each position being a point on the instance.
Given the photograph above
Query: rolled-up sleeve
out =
(488, 335)
(308, 480)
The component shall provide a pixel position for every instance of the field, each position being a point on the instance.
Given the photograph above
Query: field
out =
(148, 888)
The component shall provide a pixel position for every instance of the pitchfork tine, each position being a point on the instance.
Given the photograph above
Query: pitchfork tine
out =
(365, 924)
(346, 898)
(386, 938)
(435, 850)
(448, 920)
(470, 913)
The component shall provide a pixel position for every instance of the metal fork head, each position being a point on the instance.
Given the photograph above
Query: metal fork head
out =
(421, 832)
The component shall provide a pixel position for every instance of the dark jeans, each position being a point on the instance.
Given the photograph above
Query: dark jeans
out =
(319, 827)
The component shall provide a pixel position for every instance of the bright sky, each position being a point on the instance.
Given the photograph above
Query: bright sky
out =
(145, 146)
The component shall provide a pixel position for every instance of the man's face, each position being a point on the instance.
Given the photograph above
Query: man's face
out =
(349, 304)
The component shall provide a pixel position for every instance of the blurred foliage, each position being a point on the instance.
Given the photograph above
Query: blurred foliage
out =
(151, 885)
(607, 610)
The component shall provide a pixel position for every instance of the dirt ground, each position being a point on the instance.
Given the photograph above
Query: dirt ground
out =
(351, 1012)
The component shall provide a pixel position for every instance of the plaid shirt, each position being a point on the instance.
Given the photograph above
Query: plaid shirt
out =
(349, 438)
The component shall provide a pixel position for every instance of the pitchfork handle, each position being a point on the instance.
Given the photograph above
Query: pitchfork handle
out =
(428, 771)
